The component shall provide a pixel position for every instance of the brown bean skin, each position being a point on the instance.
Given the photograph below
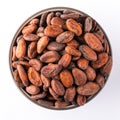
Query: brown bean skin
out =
(93, 42)
(70, 94)
(34, 77)
(81, 100)
(14, 54)
(60, 104)
(74, 27)
(21, 48)
(32, 50)
(54, 46)
(72, 51)
(50, 56)
(79, 76)
(91, 73)
(32, 89)
(82, 63)
(30, 37)
(42, 44)
(66, 78)
(89, 88)
(102, 60)
(52, 30)
(51, 70)
(35, 63)
(45, 81)
(23, 75)
(65, 60)
(88, 53)
(29, 29)
(65, 37)
(57, 87)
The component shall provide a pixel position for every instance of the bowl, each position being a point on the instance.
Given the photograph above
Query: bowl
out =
(102, 63)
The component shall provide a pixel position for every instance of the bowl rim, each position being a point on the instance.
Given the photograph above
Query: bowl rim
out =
(52, 9)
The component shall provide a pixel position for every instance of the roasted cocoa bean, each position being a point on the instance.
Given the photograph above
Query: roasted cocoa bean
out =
(34, 77)
(50, 56)
(100, 80)
(57, 21)
(45, 81)
(91, 74)
(65, 60)
(79, 76)
(57, 87)
(73, 43)
(70, 94)
(72, 51)
(42, 43)
(45, 103)
(43, 18)
(51, 70)
(70, 15)
(54, 46)
(23, 75)
(88, 24)
(36, 64)
(93, 42)
(49, 17)
(32, 50)
(38, 96)
(32, 89)
(89, 88)
(81, 100)
(82, 63)
(74, 27)
(34, 21)
(21, 48)
(21, 62)
(65, 37)
(88, 53)
(66, 78)
(14, 54)
(30, 37)
(52, 92)
(102, 60)
(105, 70)
(61, 104)
(53, 30)
(29, 29)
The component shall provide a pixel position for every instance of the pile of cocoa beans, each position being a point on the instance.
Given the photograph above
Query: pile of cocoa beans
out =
(61, 58)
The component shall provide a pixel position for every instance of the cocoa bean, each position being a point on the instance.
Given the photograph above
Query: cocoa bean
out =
(42, 43)
(52, 30)
(34, 77)
(51, 70)
(88, 53)
(74, 27)
(66, 78)
(32, 89)
(79, 76)
(89, 88)
(57, 87)
(50, 56)
(21, 48)
(23, 75)
(65, 37)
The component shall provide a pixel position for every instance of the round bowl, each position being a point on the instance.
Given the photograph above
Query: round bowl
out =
(37, 15)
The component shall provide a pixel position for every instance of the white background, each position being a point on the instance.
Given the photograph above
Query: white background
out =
(14, 106)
